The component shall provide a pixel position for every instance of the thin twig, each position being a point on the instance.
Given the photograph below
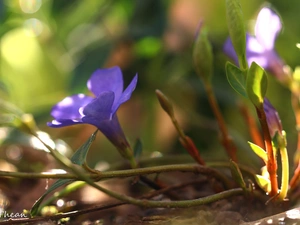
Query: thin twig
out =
(194, 168)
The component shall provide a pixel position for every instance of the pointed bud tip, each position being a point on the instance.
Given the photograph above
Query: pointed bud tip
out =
(165, 103)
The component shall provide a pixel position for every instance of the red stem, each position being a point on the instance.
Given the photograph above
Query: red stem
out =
(271, 164)
(226, 139)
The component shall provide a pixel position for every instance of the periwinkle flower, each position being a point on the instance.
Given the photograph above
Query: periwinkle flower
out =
(273, 119)
(100, 111)
(260, 48)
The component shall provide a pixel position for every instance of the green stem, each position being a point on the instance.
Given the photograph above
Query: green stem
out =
(130, 157)
(155, 204)
(171, 204)
(194, 168)
(285, 174)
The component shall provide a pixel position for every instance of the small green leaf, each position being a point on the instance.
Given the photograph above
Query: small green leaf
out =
(263, 182)
(35, 208)
(256, 85)
(236, 78)
(259, 151)
(138, 148)
(237, 31)
(237, 174)
(79, 156)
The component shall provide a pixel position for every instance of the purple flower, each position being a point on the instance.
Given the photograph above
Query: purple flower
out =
(100, 111)
(273, 119)
(260, 48)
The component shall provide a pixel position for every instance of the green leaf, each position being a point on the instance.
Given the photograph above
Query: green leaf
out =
(263, 182)
(7, 119)
(79, 156)
(259, 151)
(35, 208)
(236, 78)
(256, 85)
(236, 27)
(138, 148)
(8, 107)
(237, 174)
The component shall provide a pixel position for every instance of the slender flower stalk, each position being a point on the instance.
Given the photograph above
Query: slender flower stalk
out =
(252, 126)
(185, 141)
(296, 177)
(226, 139)
(203, 63)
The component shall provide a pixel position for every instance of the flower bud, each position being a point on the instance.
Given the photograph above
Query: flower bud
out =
(202, 55)
(165, 103)
(273, 119)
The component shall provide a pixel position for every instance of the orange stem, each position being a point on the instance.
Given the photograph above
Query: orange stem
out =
(296, 109)
(252, 125)
(295, 179)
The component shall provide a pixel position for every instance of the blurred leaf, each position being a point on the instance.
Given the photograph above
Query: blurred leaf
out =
(148, 19)
(236, 27)
(263, 182)
(148, 47)
(259, 151)
(296, 74)
(78, 12)
(35, 208)
(236, 79)
(24, 60)
(8, 107)
(257, 83)
(79, 156)
(138, 148)
(7, 119)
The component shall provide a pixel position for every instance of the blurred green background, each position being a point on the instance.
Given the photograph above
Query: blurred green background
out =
(49, 48)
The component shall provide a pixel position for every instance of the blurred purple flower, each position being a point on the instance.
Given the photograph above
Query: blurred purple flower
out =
(100, 111)
(260, 48)
(273, 119)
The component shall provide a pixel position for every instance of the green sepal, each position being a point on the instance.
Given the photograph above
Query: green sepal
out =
(236, 78)
(259, 151)
(138, 148)
(256, 84)
(237, 32)
(79, 156)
